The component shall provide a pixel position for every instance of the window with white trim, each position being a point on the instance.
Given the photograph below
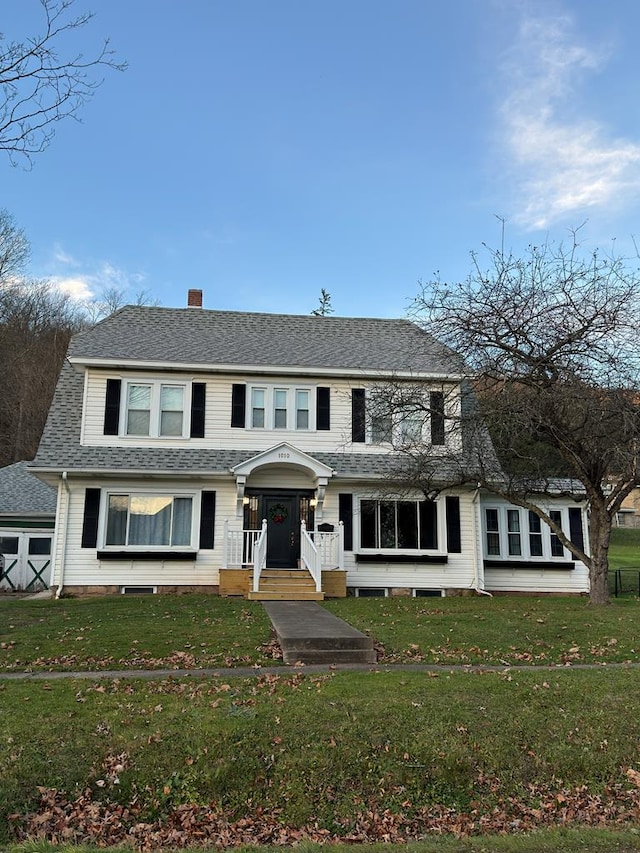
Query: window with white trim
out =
(557, 549)
(302, 408)
(521, 534)
(281, 407)
(155, 409)
(149, 520)
(257, 407)
(399, 525)
(414, 422)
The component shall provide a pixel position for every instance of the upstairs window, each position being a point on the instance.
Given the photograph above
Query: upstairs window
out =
(381, 429)
(281, 408)
(302, 409)
(155, 409)
(417, 420)
(257, 408)
(171, 409)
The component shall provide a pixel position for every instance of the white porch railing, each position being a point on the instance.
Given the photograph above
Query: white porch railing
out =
(319, 550)
(239, 547)
(259, 556)
(310, 557)
(330, 547)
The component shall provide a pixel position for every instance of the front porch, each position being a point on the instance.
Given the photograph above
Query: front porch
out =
(319, 569)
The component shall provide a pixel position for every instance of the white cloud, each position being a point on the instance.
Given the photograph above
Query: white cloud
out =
(564, 164)
(87, 282)
(76, 288)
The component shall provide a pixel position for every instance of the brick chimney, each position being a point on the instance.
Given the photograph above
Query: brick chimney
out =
(194, 299)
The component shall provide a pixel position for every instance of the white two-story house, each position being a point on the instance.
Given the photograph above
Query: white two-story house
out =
(233, 452)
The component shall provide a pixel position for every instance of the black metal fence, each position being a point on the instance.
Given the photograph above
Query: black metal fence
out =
(626, 581)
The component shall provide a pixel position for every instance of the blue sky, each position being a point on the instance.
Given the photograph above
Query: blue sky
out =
(264, 149)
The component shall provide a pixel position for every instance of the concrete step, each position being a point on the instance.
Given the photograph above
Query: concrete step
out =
(328, 656)
(309, 634)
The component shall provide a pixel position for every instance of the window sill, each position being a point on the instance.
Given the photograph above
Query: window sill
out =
(134, 438)
(529, 565)
(401, 558)
(147, 555)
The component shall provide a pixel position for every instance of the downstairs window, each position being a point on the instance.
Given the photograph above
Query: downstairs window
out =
(149, 521)
(399, 525)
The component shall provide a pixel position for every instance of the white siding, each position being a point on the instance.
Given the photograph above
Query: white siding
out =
(531, 578)
(84, 568)
(459, 572)
(218, 430)
(540, 580)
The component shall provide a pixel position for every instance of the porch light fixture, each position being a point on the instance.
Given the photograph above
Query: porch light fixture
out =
(313, 503)
(246, 500)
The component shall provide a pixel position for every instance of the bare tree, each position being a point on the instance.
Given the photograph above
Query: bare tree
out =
(36, 324)
(40, 85)
(111, 299)
(551, 344)
(14, 249)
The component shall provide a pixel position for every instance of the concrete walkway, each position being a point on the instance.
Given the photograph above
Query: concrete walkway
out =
(309, 634)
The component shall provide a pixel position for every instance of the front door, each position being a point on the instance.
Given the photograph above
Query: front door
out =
(283, 531)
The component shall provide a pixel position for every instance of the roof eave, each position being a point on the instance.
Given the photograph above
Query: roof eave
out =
(262, 369)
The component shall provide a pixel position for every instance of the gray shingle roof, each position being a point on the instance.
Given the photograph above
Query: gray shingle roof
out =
(22, 493)
(198, 336)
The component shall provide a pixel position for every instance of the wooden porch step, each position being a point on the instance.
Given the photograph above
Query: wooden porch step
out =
(295, 595)
(286, 585)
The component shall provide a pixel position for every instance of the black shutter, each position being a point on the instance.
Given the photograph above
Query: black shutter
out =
(198, 399)
(576, 534)
(323, 412)
(238, 401)
(357, 414)
(112, 407)
(436, 407)
(345, 513)
(454, 545)
(207, 519)
(90, 520)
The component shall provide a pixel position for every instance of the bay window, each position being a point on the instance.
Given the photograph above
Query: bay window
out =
(518, 533)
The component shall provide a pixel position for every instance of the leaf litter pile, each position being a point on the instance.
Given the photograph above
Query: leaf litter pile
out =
(60, 820)
(98, 813)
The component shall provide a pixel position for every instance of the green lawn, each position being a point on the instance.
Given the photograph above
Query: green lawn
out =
(388, 755)
(125, 632)
(624, 554)
(624, 550)
(183, 632)
(359, 756)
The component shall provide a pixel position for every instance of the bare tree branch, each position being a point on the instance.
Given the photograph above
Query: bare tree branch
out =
(40, 87)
